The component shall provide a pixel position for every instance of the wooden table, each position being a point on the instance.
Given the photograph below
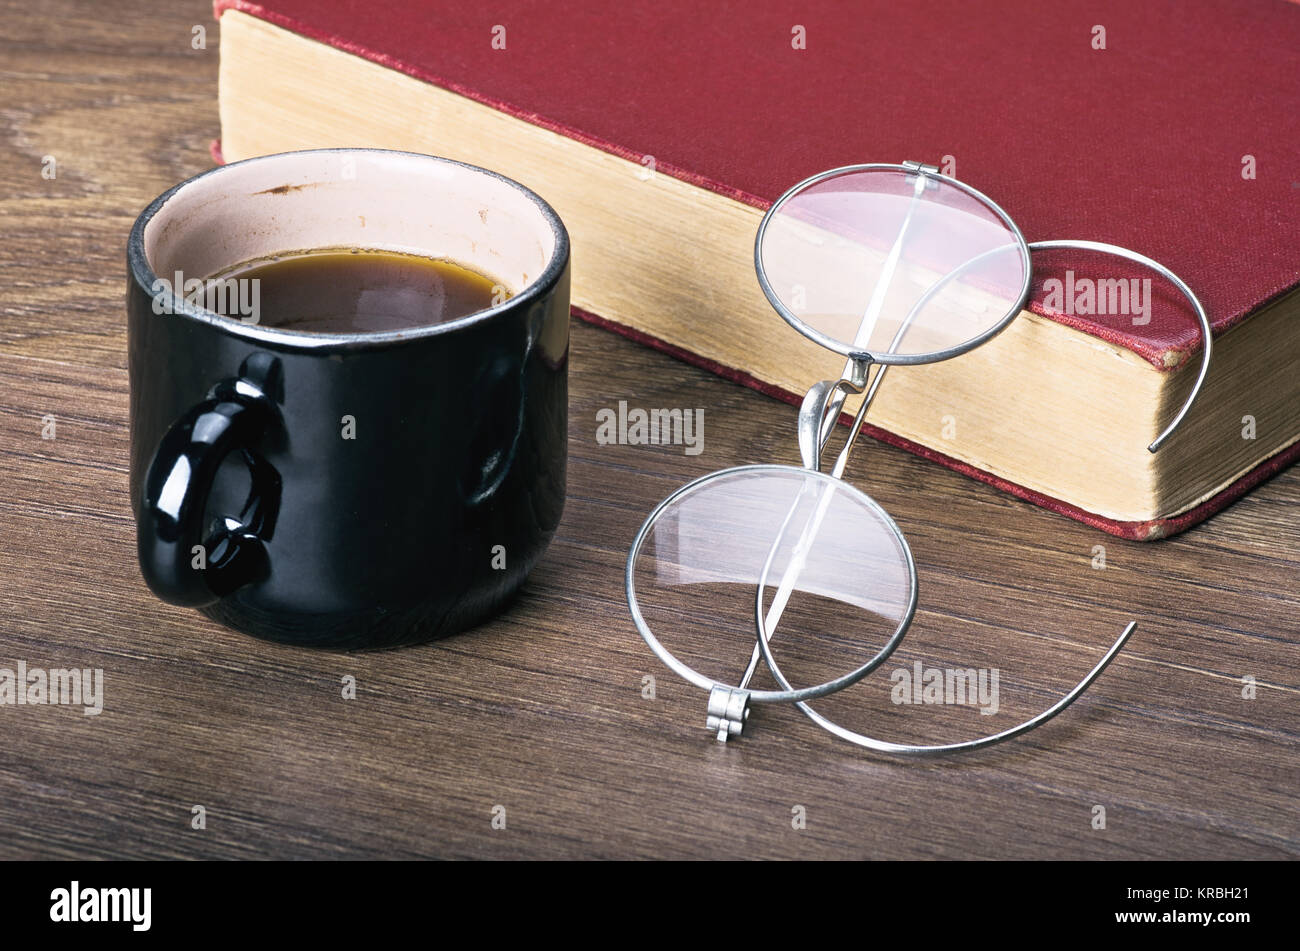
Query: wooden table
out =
(542, 711)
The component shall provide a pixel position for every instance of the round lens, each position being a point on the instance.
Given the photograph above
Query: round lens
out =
(838, 578)
(908, 267)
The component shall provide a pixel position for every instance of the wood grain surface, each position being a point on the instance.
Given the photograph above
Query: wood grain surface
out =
(542, 711)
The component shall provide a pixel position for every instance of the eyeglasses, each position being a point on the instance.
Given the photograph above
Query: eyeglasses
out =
(885, 265)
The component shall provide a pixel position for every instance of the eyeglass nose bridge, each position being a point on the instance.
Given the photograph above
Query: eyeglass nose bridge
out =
(820, 411)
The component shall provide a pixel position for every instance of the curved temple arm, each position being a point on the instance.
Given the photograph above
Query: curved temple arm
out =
(908, 749)
(1202, 319)
(1206, 332)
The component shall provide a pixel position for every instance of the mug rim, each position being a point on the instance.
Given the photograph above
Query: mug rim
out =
(143, 274)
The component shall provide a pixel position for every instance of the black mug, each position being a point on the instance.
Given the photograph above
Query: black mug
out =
(346, 490)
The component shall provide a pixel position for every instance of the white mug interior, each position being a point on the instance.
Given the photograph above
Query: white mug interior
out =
(352, 198)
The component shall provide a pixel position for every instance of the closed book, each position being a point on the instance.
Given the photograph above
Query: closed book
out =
(661, 132)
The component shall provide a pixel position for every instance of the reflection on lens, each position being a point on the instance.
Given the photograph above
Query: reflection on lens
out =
(866, 260)
(839, 576)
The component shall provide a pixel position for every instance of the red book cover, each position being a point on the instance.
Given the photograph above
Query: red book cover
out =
(1067, 133)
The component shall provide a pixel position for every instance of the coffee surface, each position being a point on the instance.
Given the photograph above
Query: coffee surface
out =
(356, 291)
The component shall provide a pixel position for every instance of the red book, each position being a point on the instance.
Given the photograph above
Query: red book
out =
(1167, 128)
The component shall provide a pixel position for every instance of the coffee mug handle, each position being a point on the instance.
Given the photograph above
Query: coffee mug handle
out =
(181, 562)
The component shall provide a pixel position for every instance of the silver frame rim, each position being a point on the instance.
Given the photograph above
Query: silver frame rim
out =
(768, 696)
(886, 358)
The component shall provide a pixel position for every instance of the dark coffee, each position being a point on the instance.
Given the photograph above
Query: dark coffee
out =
(356, 291)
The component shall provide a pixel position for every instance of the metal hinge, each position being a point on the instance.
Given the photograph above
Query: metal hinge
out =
(728, 711)
(924, 170)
